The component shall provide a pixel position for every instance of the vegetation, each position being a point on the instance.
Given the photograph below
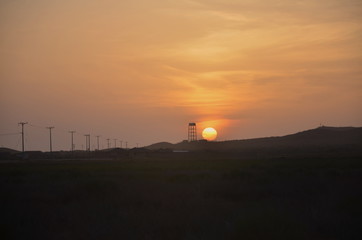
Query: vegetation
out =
(182, 197)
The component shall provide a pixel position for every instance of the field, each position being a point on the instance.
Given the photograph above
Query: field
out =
(184, 197)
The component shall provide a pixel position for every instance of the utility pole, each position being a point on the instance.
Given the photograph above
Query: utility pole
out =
(89, 147)
(108, 143)
(97, 142)
(22, 133)
(115, 142)
(72, 147)
(126, 145)
(87, 142)
(50, 138)
(121, 143)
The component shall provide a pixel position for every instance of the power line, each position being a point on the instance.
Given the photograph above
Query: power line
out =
(9, 134)
(25, 137)
(36, 126)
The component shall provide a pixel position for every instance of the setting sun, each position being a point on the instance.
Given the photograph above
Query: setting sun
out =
(209, 134)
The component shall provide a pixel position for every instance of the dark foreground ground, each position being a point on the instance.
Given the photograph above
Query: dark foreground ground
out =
(186, 197)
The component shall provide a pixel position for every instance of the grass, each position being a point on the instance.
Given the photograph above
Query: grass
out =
(203, 197)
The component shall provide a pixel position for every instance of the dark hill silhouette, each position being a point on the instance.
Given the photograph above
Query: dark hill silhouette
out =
(160, 145)
(321, 139)
(7, 153)
(7, 150)
(319, 142)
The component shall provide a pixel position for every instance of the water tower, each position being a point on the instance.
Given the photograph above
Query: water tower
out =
(192, 134)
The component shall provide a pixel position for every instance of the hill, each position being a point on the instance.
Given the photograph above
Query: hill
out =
(160, 145)
(321, 139)
(7, 150)
(319, 142)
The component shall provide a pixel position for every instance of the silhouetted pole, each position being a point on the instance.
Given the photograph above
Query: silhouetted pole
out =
(108, 143)
(89, 147)
(50, 138)
(22, 133)
(72, 147)
(126, 145)
(87, 142)
(115, 142)
(97, 142)
(120, 143)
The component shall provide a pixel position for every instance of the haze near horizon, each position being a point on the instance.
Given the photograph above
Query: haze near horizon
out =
(140, 71)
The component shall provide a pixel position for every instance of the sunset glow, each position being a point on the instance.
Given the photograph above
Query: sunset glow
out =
(141, 70)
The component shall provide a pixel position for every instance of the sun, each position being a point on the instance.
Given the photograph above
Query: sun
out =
(209, 134)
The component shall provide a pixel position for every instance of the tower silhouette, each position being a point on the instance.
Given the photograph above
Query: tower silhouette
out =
(192, 134)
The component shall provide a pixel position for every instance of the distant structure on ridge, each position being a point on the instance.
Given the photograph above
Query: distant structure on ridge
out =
(192, 134)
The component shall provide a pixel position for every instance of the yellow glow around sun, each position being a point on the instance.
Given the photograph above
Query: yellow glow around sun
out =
(209, 134)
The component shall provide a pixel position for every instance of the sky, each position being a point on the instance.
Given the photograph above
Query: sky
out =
(139, 71)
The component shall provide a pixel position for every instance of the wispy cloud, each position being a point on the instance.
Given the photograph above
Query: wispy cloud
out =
(212, 60)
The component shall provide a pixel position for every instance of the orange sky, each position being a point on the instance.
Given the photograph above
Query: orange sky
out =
(140, 70)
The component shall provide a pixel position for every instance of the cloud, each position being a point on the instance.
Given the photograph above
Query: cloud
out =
(220, 60)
